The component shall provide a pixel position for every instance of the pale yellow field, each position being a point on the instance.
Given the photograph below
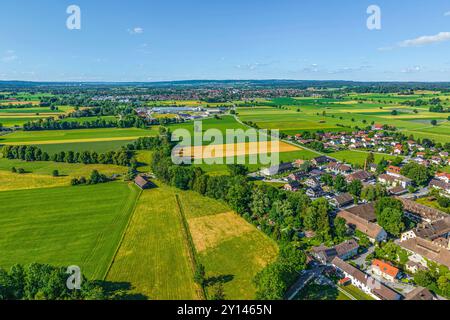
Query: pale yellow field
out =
(237, 149)
(39, 174)
(15, 103)
(15, 181)
(417, 116)
(372, 110)
(348, 102)
(210, 231)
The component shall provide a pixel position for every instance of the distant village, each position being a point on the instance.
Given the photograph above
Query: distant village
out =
(180, 113)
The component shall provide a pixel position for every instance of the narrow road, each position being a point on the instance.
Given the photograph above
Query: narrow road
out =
(304, 278)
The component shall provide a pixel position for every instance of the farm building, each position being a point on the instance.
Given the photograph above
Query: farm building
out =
(143, 182)
(371, 229)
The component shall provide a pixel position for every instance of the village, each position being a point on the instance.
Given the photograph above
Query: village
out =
(182, 113)
(425, 240)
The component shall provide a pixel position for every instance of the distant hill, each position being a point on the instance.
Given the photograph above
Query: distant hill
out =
(298, 84)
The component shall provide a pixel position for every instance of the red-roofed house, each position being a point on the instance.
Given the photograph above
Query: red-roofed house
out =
(393, 171)
(385, 270)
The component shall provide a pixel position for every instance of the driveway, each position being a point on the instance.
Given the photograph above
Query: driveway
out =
(361, 259)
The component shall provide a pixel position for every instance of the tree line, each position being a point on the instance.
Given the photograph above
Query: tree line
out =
(122, 157)
(51, 124)
(44, 282)
(280, 214)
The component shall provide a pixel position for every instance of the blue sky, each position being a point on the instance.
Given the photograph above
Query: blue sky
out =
(153, 40)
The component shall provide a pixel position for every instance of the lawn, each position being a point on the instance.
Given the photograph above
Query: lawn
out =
(97, 146)
(65, 226)
(219, 168)
(66, 170)
(17, 121)
(358, 157)
(153, 256)
(432, 202)
(14, 181)
(305, 114)
(75, 136)
(219, 125)
(144, 158)
(356, 293)
(231, 249)
(313, 291)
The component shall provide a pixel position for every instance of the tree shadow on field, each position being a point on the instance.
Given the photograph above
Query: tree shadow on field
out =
(121, 291)
(219, 279)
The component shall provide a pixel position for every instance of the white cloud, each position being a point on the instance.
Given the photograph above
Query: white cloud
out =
(9, 56)
(414, 69)
(424, 40)
(136, 30)
(253, 66)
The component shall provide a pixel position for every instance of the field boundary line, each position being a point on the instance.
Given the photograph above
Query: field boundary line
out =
(190, 243)
(125, 231)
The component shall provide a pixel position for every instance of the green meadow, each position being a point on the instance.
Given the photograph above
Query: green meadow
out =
(97, 146)
(154, 255)
(65, 226)
(75, 136)
(65, 169)
(358, 157)
(297, 115)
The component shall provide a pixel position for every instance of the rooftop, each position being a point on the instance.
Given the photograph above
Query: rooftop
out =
(385, 267)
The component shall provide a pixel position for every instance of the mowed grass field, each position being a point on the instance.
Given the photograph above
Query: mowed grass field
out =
(218, 165)
(39, 174)
(75, 136)
(154, 255)
(219, 126)
(65, 226)
(359, 157)
(231, 249)
(97, 146)
(299, 115)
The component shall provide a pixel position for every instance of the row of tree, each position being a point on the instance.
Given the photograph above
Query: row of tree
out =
(122, 157)
(51, 124)
(44, 282)
(95, 178)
